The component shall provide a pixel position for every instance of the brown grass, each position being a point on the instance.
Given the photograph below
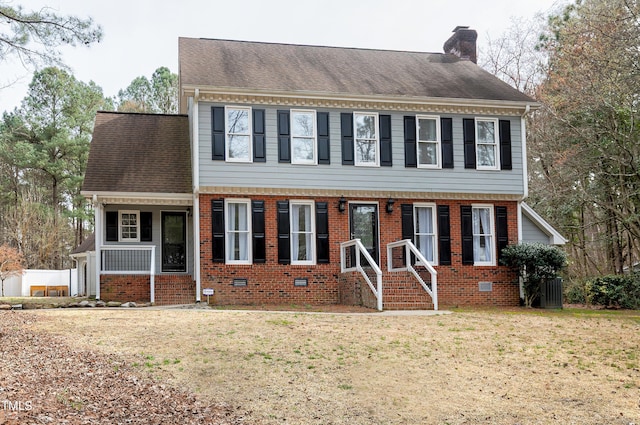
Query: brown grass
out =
(470, 367)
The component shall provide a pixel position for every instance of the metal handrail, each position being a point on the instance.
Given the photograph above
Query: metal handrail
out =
(360, 249)
(410, 249)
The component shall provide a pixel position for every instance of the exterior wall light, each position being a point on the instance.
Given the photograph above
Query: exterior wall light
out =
(342, 204)
(390, 203)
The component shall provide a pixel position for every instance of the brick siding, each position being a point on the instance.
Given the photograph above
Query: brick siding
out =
(273, 283)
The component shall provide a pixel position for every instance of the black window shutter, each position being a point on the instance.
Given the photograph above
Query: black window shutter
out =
(112, 226)
(466, 218)
(324, 152)
(410, 153)
(284, 139)
(259, 142)
(469, 137)
(385, 141)
(217, 228)
(444, 236)
(284, 249)
(346, 128)
(406, 213)
(322, 232)
(407, 221)
(446, 134)
(217, 133)
(502, 229)
(505, 145)
(146, 230)
(257, 231)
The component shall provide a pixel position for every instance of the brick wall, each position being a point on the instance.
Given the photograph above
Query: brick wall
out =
(169, 289)
(273, 283)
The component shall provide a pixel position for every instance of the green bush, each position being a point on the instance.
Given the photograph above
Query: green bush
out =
(575, 292)
(620, 291)
(534, 263)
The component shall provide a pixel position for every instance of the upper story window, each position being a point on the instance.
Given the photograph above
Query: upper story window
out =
(429, 151)
(424, 225)
(483, 235)
(304, 146)
(302, 232)
(129, 224)
(366, 139)
(487, 151)
(238, 134)
(238, 231)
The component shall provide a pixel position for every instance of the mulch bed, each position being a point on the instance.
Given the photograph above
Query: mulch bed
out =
(44, 381)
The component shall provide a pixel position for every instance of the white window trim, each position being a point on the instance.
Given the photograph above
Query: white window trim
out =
(437, 142)
(376, 140)
(493, 234)
(496, 144)
(227, 253)
(434, 219)
(314, 161)
(226, 133)
(312, 260)
(122, 239)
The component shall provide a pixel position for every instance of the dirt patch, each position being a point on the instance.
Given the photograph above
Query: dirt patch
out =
(473, 367)
(44, 380)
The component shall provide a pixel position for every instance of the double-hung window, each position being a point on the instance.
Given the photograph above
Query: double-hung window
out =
(304, 147)
(487, 147)
(238, 231)
(302, 232)
(483, 235)
(367, 141)
(428, 145)
(238, 134)
(424, 225)
(129, 223)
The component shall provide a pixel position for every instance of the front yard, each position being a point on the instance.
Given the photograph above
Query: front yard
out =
(471, 367)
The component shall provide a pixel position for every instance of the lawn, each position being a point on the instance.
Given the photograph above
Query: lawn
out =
(474, 366)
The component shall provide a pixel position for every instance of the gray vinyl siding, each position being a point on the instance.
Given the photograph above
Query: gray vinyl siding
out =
(156, 230)
(272, 174)
(532, 233)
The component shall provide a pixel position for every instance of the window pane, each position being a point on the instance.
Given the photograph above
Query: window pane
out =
(303, 124)
(427, 130)
(239, 147)
(424, 220)
(428, 153)
(486, 132)
(365, 126)
(302, 149)
(238, 217)
(487, 155)
(237, 121)
(366, 151)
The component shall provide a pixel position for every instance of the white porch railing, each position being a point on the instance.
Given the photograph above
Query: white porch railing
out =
(350, 261)
(406, 260)
(129, 259)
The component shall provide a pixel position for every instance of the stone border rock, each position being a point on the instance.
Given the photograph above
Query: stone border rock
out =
(81, 304)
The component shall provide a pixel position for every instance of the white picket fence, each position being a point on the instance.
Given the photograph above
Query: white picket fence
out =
(20, 286)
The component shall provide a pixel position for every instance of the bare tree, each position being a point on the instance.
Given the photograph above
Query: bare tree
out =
(11, 264)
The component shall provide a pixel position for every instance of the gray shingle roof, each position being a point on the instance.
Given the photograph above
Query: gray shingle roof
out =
(89, 244)
(336, 71)
(139, 153)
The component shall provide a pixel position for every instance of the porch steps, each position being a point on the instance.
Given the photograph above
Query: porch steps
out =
(404, 293)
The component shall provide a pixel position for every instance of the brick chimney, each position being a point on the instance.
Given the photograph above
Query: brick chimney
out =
(462, 44)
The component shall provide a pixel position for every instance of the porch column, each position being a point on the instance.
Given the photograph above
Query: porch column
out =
(98, 210)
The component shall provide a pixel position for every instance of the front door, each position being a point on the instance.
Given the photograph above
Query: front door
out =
(174, 242)
(363, 219)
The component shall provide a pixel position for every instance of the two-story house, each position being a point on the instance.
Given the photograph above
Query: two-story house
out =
(316, 175)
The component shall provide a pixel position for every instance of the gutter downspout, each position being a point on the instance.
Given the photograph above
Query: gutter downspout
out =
(525, 178)
(195, 166)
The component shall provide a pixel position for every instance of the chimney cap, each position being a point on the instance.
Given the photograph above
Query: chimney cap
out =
(460, 27)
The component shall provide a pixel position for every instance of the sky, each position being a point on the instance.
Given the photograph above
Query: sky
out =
(142, 35)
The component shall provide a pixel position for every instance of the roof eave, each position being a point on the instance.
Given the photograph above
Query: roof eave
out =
(302, 98)
(554, 236)
(143, 198)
